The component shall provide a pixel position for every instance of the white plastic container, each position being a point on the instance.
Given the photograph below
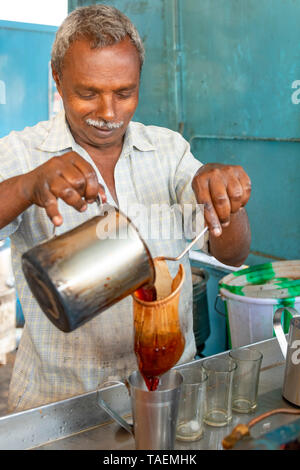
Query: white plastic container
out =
(253, 295)
(6, 272)
(7, 323)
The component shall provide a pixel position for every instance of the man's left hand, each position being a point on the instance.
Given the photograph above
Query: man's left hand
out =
(223, 189)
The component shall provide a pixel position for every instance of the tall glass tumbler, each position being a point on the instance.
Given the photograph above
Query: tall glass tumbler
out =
(191, 406)
(220, 371)
(246, 379)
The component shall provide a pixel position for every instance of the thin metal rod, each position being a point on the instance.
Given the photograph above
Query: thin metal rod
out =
(185, 250)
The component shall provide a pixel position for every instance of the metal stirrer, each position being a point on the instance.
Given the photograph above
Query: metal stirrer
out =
(159, 258)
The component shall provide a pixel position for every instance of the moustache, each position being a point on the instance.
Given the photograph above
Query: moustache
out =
(104, 124)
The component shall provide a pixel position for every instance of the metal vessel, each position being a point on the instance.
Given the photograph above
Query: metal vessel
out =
(291, 351)
(84, 271)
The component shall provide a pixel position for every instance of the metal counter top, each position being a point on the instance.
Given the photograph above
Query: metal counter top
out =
(79, 424)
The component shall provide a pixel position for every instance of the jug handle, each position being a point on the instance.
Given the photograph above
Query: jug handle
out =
(112, 413)
(278, 327)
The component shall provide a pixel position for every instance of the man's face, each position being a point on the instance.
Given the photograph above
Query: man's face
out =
(99, 88)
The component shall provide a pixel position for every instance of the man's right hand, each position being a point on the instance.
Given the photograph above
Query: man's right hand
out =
(68, 177)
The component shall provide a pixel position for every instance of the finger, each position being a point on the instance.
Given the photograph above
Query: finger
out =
(75, 178)
(246, 186)
(102, 194)
(210, 215)
(61, 188)
(51, 207)
(220, 199)
(90, 177)
(235, 193)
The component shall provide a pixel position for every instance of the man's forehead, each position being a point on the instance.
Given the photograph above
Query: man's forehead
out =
(116, 66)
(84, 49)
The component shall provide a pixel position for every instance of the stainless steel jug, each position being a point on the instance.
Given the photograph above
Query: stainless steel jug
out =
(154, 413)
(84, 271)
(291, 351)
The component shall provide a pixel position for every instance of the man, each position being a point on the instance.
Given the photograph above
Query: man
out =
(51, 174)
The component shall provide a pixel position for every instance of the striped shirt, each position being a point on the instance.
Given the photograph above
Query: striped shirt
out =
(155, 167)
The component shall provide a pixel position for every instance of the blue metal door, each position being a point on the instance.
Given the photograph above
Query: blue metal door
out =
(240, 70)
(24, 63)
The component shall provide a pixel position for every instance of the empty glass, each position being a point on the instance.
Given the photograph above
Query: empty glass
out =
(220, 371)
(191, 406)
(246, 379)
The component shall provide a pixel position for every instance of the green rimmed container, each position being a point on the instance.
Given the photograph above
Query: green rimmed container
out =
(252, 295)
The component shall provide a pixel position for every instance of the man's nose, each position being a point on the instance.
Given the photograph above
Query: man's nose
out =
(106, 108)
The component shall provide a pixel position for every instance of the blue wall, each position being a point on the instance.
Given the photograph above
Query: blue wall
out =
(241, 62)
(24, 56)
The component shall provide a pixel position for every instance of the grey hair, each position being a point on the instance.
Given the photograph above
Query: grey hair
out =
(102, 25)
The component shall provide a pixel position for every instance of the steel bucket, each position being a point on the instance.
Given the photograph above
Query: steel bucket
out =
(77, 275)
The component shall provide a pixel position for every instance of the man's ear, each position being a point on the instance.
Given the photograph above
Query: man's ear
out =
(56, 78)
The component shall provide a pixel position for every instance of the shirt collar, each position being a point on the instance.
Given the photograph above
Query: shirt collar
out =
(59, 136)
(138, 138)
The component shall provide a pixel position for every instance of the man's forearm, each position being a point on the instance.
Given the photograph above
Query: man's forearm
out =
(12, 199)
(233, 246)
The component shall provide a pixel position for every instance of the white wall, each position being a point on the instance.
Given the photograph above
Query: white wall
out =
(50, 12)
